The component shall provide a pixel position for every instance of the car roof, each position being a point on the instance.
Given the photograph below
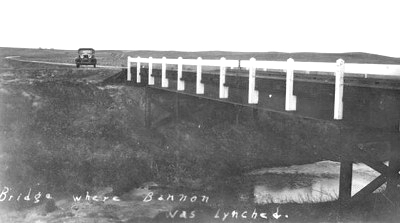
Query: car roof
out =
(86, 49)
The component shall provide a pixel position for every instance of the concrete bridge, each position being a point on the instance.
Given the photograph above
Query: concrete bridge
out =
(363, 99)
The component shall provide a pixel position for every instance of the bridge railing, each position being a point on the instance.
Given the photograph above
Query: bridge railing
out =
(338, 69)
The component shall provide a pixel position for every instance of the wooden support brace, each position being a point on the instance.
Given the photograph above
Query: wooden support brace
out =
(370, 188)
(223, 90)
(377, 166)
(388, 174)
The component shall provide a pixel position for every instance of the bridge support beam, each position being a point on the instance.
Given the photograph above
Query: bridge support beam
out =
(253, 93)
(180, 83)
(238, 111)
(147, 108)
(176, 107)
(138, 78)
(223, 90)
(128, 66)
(339, 81)
(346, 176)
(393, 184)
(345, 182)
(164, 80)
(290, 99)
(150, 77)
(199, 85)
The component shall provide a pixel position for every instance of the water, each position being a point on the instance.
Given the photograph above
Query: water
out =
(315, 182)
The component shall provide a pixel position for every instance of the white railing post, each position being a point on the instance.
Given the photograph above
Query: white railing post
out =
(180, 82)
(138, 79)
(128, 74)
(150, 78)
(223, 90)
(290, 100)
(253, 93)
(339, 80)
(164, 80)
(199, 85)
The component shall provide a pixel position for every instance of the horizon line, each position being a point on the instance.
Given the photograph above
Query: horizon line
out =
(198, 51)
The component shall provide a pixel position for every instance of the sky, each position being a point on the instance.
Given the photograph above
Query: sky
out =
(199, 25)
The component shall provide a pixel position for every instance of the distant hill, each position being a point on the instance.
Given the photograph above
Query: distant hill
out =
(119, 56)
(352, 57)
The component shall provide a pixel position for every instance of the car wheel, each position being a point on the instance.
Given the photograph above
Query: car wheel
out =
(77, 65)
(94, 65)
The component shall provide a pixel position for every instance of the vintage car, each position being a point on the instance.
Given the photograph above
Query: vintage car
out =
(86, 57)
